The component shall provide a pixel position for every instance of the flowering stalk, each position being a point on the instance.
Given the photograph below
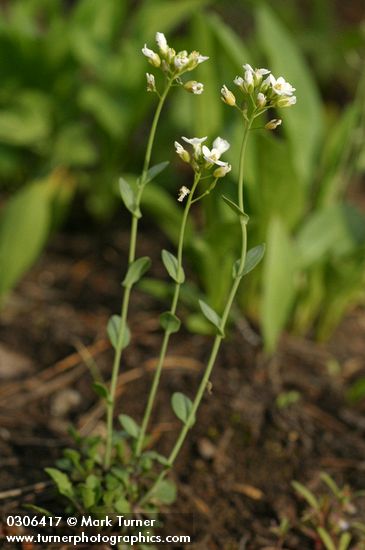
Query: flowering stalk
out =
(261, 94)
(173, 66)
(127, 292)
(172, 311)
(220, 336)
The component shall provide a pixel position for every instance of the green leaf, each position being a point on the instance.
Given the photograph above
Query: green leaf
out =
(212, 316)
(38, 509)
(326, 539)
(169, 322)
(24, 227)
(129, 197)
(122, 506)
(156, 170)
(278, 283)
(172, 267)
(303, 122)
(88, 496)
(345, 540)
(101, 390)
(228, 40)
(330, 483)
(136, 270)
(182, 406)
(356, 392)
(130, 426)
(165, 492)
(306, 494)
(62, 482)
(113, 329)
(236, 209)
(253, 258)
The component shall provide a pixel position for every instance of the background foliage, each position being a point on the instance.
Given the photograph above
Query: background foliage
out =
(73, 115)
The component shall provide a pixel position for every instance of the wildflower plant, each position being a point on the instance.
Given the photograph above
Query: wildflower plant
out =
(120, 473)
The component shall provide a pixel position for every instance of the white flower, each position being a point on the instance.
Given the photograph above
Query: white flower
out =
(151, 84)
(152, 56)
(194, 87)
(258, 73)
(220, 146)
(181, 60)
(261, 100)
(196, 143)
(183, 192)
(227, 96)
(222, 170)
(162, 42)
(183, 153)
(280, 86)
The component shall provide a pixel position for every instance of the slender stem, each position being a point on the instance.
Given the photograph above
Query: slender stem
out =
(167, 333)
(127, 292)
(219, 337)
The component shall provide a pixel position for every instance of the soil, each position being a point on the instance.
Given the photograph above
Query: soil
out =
(234, 474)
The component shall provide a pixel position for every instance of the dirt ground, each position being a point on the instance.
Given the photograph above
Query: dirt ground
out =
(234, 474)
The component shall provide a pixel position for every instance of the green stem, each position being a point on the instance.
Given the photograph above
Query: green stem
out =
(167, 333)
(219, 337)
(127, 292)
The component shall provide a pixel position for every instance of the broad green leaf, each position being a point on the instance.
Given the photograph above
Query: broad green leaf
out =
(326, 539)
(113, 329)
(172, 267)
(182, 406)
(302, 122)
(164, 16)
(156, 170)
(62, 482)
(107, 110)
(306, 494)
(337, 229)
(207, 109)
(136, 270)
(74, 147)
(101, 390)
(228, 40)
(212, 316)
(278, 283)
(24, 228)
(130, 426)
(169, 322)
(236, 209)
(345, 540)
(129, 197)
(165, 492)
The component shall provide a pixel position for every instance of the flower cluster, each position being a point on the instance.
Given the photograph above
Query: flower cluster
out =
(202, 158)
(173, 64)
(264, 89)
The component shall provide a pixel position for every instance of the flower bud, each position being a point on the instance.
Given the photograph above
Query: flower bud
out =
(151, 84)
(162, 42)
(194, 87)
(274, 123)
(221, 171)
(261, 100)
(152, 56)
(183, 153)
(286, 101)
(227, 96)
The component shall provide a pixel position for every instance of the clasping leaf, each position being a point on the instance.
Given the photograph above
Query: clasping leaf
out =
(172, 267)
(169, 322)
(212, 316)
(113, 329)
(182, 405)
(236, 209)
(129, 198)
(136, 270)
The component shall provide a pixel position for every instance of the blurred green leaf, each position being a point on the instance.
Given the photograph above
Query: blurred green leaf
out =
(62, 481)
(73, 147)
(130, 426)
(169, 322)
(24, 227)
(228, 41)
(278, 283)
(172, 267)
(165, 492)
(113, 329)
(136, 270)
(182, 406)
(303, 122)
(212, 316)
